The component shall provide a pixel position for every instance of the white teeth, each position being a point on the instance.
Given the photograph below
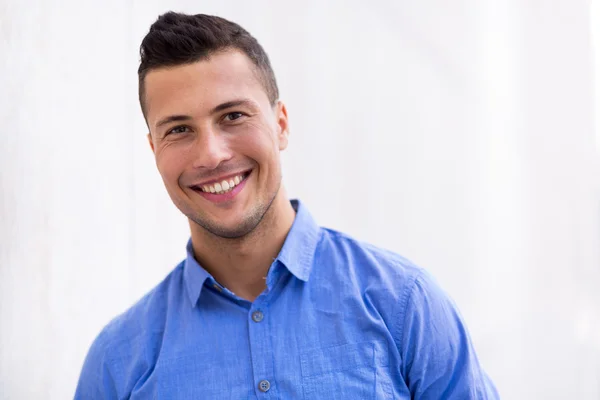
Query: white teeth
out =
(223, 187)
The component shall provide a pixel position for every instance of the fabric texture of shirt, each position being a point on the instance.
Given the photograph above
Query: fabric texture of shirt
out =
(339, 319)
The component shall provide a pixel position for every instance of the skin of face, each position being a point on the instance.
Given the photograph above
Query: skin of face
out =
(211, 120)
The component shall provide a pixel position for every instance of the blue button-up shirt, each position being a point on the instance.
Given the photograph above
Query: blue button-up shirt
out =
(339, 319)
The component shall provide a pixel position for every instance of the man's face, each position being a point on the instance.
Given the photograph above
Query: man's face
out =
(216, 139)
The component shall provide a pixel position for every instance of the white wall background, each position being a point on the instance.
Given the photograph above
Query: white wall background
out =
(460, 134)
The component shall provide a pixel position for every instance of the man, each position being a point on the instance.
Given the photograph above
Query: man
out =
(266, 305)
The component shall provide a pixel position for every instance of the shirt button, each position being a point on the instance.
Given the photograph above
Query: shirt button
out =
(258, 316)
(264, 386)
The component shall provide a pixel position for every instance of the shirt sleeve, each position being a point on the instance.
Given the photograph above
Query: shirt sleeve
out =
(439, 361)
(95, 380)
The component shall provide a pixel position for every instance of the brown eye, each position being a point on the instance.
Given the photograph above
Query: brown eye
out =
(232, 116)
(178, 129)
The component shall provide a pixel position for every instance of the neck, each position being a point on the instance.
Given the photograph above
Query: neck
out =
(242, 264)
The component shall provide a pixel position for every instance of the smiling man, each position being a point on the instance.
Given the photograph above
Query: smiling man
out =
(266, 304)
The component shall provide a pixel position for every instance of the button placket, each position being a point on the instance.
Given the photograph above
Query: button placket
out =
(261, 351)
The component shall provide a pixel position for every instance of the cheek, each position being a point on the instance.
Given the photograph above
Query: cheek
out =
(257, 140)
(171, 164)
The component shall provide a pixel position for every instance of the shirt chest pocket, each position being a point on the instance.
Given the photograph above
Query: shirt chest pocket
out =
(347, 371)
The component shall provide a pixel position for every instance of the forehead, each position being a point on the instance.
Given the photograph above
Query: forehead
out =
(200, 86)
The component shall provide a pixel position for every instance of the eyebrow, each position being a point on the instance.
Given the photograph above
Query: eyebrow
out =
(221, 107)
(233, 103)
(173, 118)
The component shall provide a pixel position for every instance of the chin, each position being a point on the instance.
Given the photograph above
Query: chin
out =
(231, 232)
(234, 228)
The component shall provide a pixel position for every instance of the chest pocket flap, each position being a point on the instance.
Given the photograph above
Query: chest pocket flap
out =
(346, 371)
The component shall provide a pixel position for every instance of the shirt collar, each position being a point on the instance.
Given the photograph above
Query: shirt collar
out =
(296, 255)
(299, 248)
(193, 275)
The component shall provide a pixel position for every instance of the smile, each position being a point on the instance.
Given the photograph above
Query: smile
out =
(223, 186)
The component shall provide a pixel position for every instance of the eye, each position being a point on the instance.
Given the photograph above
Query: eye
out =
(232, 116)
(178, 129)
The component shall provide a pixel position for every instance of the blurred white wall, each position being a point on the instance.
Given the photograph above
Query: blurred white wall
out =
(460, 134)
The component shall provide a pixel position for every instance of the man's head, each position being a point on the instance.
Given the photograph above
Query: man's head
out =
(178, 39)
(210, 100)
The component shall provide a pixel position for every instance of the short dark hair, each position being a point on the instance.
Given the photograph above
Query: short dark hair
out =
(178, 39)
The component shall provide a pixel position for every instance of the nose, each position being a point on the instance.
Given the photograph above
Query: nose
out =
(211, 150)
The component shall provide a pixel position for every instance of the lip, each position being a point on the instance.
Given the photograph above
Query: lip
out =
(221, 179)
(221, 198)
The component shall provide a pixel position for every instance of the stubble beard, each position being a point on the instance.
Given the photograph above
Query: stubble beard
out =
(246, 227)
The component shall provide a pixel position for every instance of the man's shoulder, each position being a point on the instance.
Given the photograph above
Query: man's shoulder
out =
(367, 256)
(386, 270)
(126, 344)
(146, 317)
(385, 275)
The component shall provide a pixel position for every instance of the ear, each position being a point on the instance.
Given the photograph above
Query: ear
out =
(150, 142)
(283, 125)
